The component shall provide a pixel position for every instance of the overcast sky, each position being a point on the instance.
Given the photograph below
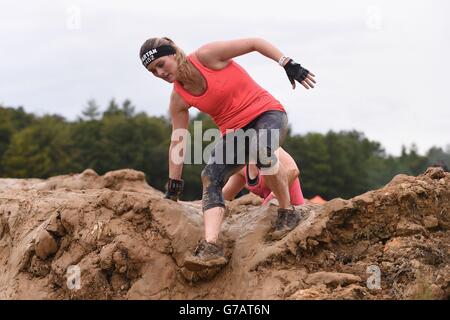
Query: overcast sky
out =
(382, 67)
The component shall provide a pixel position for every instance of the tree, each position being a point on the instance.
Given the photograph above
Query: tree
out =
(88, 150)
(91, 111)
(336, 164)
(128, 109)
(411, 162)
(311, 155)
(113, 109)
(11, 121)
(41, 150)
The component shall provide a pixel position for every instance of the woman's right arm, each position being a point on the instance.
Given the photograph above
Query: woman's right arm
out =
(179, 112)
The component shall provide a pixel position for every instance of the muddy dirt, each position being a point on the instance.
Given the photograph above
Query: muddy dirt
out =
(128, 242)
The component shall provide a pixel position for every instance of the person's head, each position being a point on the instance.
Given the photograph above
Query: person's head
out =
(163, 58)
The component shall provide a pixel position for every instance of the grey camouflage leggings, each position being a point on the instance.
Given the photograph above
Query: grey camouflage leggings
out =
(231, 153)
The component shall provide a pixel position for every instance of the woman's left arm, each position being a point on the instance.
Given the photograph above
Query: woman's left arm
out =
(216, 55)
(222, 51)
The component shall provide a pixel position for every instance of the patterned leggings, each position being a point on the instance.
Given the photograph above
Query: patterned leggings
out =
(254, 143)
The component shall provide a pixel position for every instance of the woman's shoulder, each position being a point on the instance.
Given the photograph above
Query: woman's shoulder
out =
(204, 57)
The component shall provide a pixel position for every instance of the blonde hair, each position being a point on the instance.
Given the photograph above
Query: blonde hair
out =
(184, 67)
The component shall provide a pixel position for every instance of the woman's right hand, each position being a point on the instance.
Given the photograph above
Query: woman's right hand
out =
(174, 189)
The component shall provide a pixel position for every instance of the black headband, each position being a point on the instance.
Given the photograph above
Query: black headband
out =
(156, 53)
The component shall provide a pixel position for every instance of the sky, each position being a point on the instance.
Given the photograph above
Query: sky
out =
(381, 67)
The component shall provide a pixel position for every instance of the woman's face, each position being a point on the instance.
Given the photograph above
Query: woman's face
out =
(164, 68)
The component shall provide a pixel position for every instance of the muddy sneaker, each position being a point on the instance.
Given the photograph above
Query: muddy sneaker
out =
(286, 221)
(206, 255)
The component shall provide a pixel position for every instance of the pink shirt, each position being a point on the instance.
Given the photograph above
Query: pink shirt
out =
(295, 190)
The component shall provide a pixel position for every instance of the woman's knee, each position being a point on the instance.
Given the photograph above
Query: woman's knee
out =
(212, 188)
(210, 175)
(293, 173)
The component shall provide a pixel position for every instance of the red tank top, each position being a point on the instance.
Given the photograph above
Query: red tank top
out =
(232, 98)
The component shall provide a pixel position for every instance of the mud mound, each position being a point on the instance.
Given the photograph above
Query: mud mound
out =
(127, 242)
(120, 180)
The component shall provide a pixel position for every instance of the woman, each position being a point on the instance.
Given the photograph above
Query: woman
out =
(250, 178)
(214, 83)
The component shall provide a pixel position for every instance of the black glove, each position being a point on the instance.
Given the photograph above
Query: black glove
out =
(174, 188)
(295, 71)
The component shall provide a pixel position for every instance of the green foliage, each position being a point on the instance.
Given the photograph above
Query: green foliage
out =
(347, 164)
(39, 150)
(336, 164)
(11, 121)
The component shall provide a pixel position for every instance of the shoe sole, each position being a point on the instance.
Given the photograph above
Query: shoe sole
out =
(277, 236)
(199, 265)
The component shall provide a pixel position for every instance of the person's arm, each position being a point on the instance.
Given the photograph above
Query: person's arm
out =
(180, 121)
(216, 54)
(222, 51)
(233, 186)
(179, 112)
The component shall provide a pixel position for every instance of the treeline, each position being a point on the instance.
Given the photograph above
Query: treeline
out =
(336, 164)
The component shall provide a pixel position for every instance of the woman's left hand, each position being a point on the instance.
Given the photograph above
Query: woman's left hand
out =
(309, 81)
(296, 72)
